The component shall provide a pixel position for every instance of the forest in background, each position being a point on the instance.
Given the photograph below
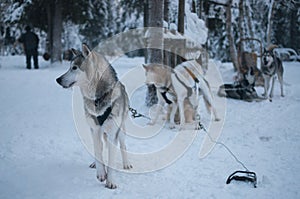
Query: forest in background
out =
(62, 24)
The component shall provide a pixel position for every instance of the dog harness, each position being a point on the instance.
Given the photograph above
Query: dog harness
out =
(189, 89)
(164, 95)
(101, 118)
(191, 74)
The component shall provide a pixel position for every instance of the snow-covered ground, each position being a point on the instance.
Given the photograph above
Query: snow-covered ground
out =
(42, 156)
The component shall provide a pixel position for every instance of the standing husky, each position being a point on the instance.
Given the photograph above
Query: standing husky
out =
(105, 104)
(272, 65)
(180, 88)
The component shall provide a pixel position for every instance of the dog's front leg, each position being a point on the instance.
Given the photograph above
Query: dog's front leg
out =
(159, 108)
(121, 137)
(266, 85)
(272, 88)
(181, 113)
(98, 148)
(280, 78)
(112, 146)
(174, 107)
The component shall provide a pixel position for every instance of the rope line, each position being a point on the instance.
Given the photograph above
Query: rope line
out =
(222, 144)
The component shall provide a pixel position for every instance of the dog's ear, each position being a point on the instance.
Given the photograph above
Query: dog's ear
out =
(85, 50)
(265, 50)
(199, 59)
(145, 67)
(75, 52)
(251, 71)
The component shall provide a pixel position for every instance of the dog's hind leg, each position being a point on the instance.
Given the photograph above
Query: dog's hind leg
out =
(181, 112)
(280, 78)
(121, 137)
(208, 99)
(210, 108)
(172, 114)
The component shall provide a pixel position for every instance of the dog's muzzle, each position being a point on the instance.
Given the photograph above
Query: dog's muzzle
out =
(59, 80)
(265, 61)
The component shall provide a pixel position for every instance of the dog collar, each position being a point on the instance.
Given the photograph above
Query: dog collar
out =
(98, 100)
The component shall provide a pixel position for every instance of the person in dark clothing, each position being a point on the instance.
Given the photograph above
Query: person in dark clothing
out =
(30, 42)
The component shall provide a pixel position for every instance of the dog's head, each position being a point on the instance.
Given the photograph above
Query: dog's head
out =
(268, 57)
(157, 74)
(79, 70)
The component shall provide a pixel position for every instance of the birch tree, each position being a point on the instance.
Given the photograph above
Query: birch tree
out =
(270, 23)
(232, 47)
(240, 23)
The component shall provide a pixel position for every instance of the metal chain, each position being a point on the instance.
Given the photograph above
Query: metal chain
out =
(135, 114)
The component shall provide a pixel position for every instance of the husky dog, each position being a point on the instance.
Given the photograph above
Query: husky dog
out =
(105, 103)
(272, 65)
(180, 88)
(242, 90)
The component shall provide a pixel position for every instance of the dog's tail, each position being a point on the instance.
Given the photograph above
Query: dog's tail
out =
(207, 97)
(272, 47)
(222, 91)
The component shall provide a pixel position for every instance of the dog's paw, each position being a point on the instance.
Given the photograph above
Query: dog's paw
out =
(110, 185)
(151, 123)
(93, 165)
(172, 126)
(101, 177)
(217, 119)
(265, 96)
(127, 166)
(282, 95)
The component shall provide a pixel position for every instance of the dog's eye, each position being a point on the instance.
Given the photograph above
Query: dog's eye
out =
(74, 68)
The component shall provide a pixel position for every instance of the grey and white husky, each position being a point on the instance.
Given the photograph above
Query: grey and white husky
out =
(272, 66)
(105, 103)
(180, 88)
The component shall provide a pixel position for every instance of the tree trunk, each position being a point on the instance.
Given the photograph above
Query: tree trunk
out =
(194, 10)
(54, 15)
(292, 33)
(200, 8)
(240, 24)
(166, 11)
(49, 42)
(57, 30)
(249, 23)
(181, 11)
(155, 42)
(270, 23)
(146, 24)
(232, 47)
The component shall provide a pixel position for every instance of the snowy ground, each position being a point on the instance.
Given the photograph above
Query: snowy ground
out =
(41, 154)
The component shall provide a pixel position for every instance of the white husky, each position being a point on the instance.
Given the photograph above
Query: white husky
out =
(180, 88)
(105, 103)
